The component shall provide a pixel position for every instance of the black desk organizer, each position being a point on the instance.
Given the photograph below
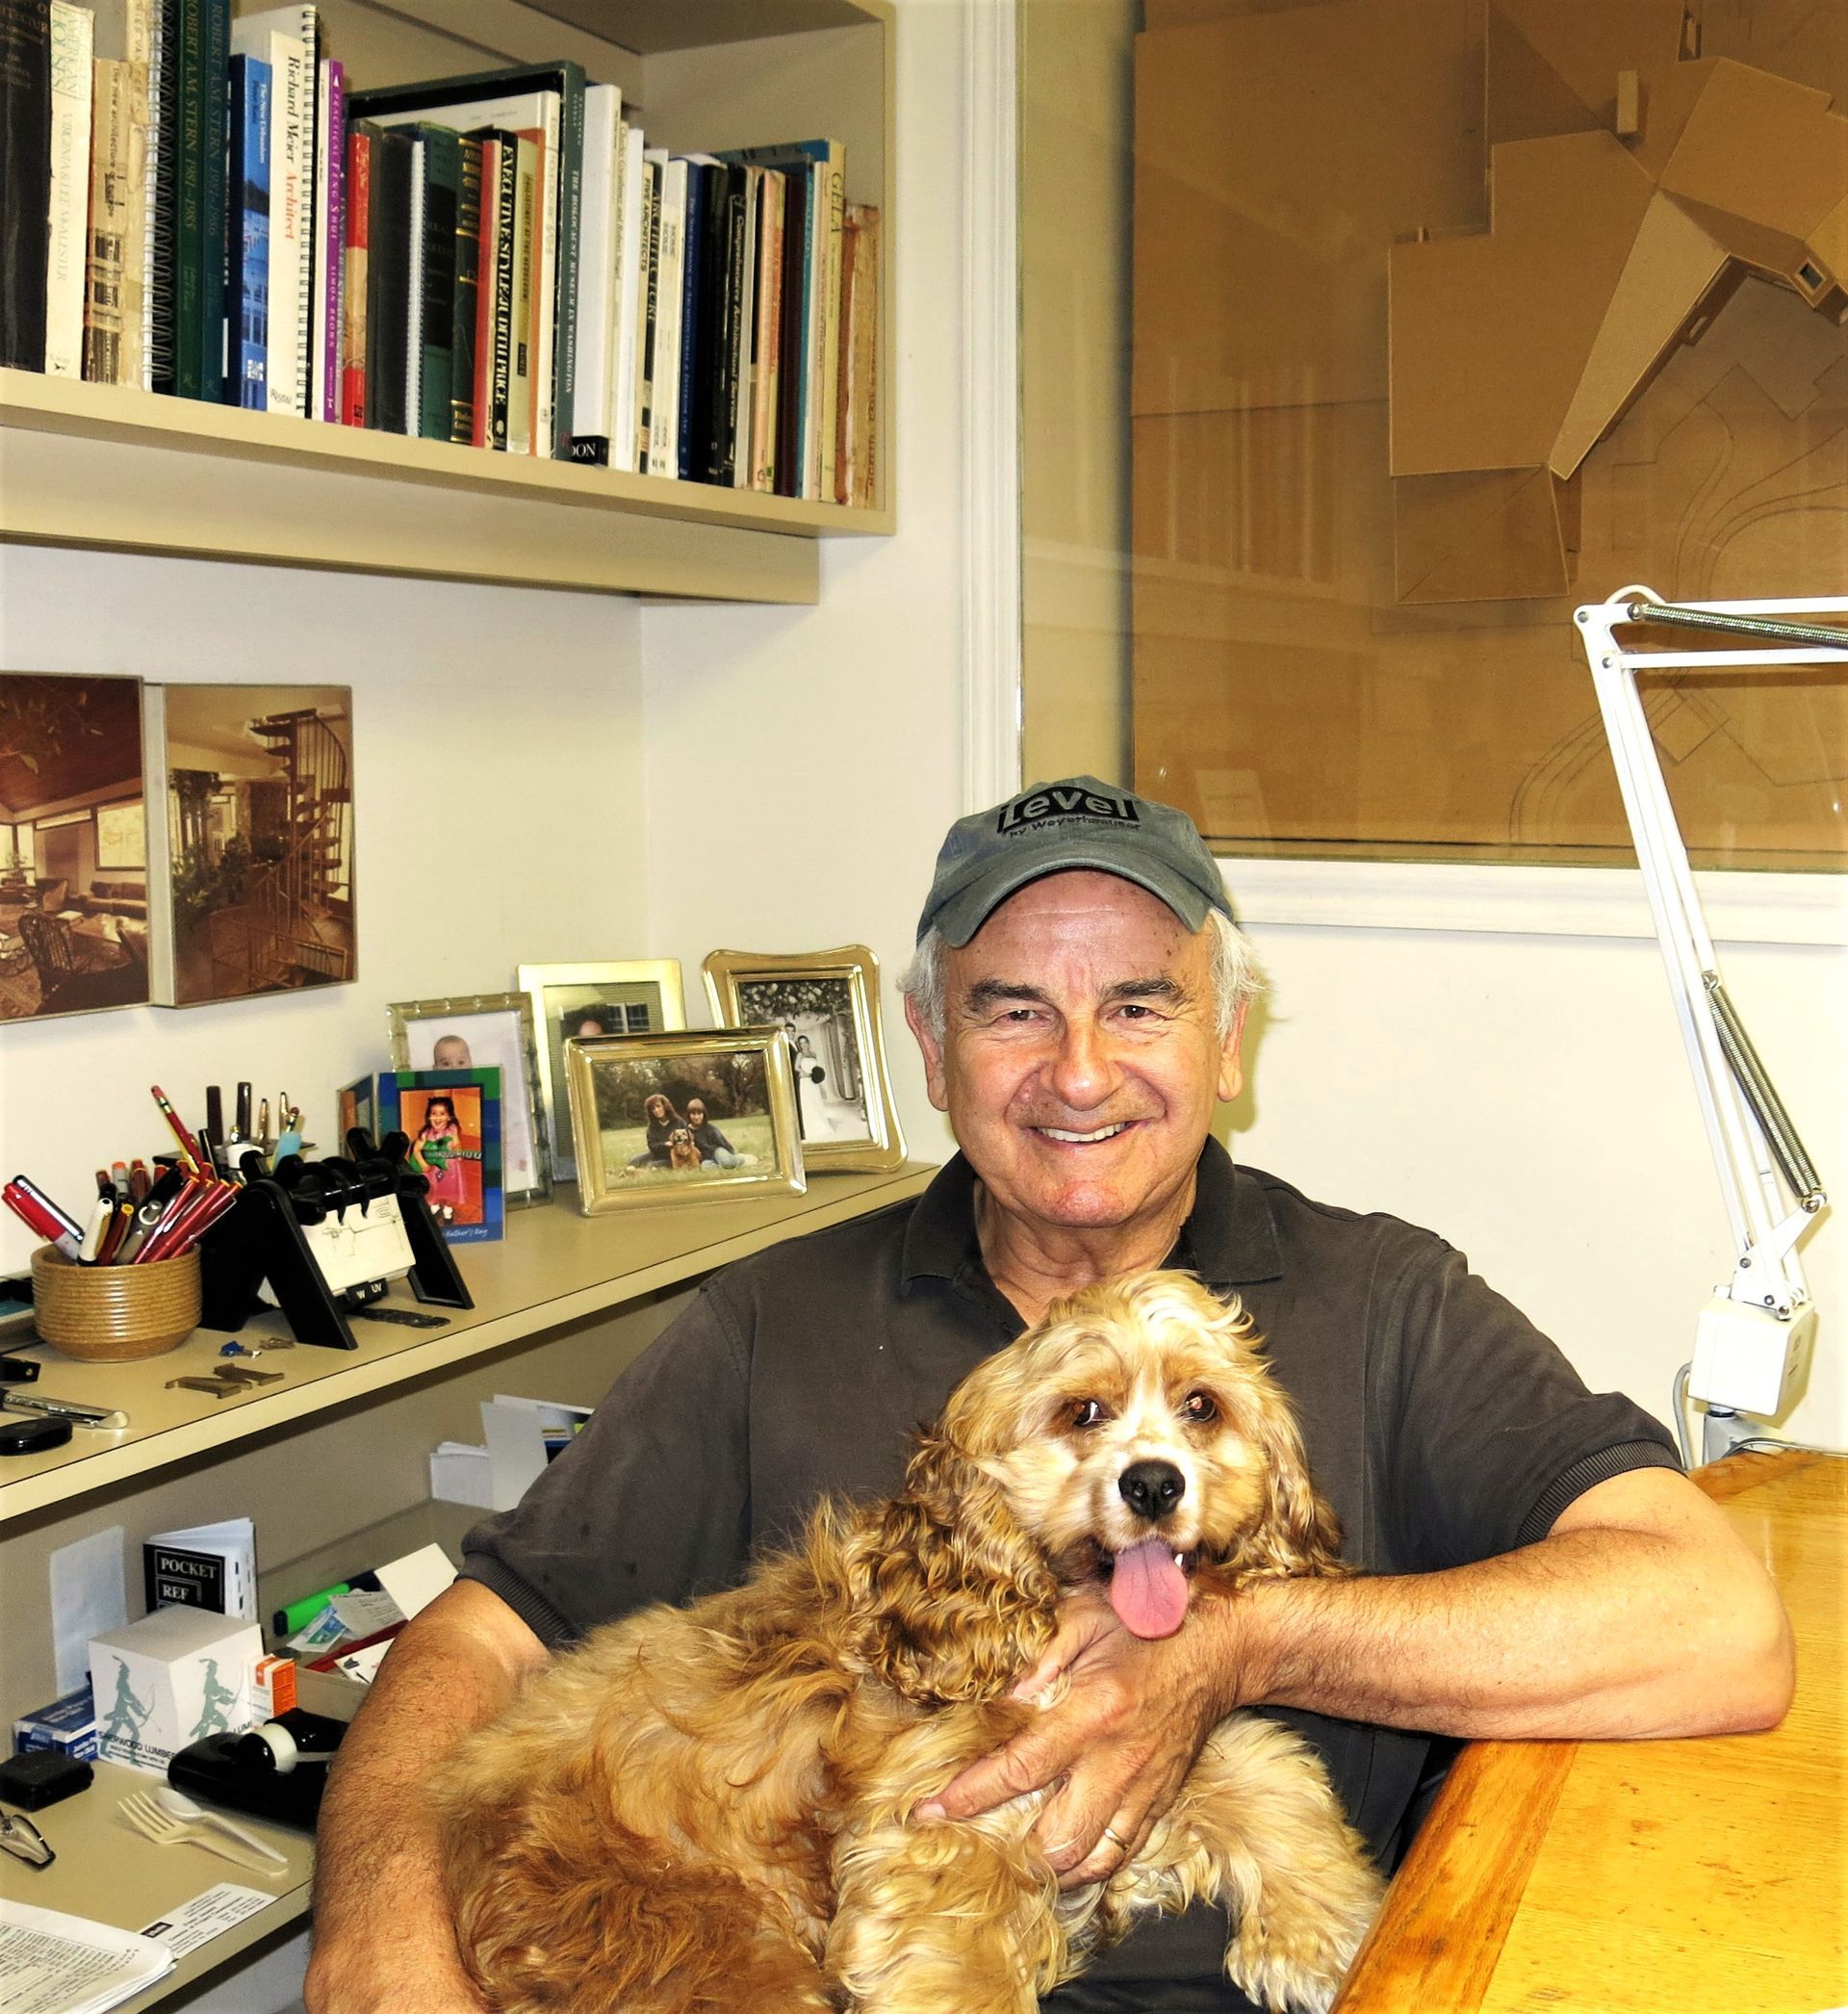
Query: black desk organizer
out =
(259, 1238)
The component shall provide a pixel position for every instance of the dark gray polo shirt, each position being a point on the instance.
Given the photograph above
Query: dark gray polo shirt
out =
(1441, 1426)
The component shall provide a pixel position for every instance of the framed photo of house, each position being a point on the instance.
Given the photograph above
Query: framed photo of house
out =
(682, 1118)
(486, 1031)
(628, 996)
(251, 859)
(73, 847)
(827, 1005)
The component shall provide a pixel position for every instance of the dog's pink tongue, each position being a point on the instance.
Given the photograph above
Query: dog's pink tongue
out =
(1149, 1591)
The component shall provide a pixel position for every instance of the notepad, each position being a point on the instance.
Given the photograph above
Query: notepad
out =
(58, 1964)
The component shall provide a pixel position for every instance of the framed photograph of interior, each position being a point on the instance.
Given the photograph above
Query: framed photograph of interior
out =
(632, 997)
(251, 840)
(684, 1118)
(73, 846)
(486, 1031)
(826, 1003)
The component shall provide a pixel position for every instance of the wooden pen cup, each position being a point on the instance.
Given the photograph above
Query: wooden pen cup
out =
(115, 1314)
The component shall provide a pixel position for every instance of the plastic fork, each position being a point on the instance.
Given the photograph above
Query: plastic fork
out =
(172, 1821)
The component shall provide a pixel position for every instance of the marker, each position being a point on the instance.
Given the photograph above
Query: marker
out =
(240, 1125)
(42, 1215)
(180, 1133)
(119, 1179)
(139, 1182)
(98, 1229)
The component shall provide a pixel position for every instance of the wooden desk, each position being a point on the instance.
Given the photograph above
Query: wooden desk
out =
(1704, 1877)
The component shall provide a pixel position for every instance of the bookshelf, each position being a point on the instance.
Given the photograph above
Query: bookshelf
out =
(114, 468)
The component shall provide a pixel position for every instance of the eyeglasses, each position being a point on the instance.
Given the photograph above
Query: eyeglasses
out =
(23, 1840)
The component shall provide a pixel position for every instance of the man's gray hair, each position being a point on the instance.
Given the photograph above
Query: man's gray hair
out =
(1237, 978)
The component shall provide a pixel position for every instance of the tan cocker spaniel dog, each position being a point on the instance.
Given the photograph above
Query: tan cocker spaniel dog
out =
(711, 1808)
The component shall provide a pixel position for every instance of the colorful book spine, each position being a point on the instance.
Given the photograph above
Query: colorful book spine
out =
(66, 266)
(766, 391)
(25, 175)
(357, 234)
(387, 281)
(594, 362)
(523, 391)
(496, 421)
(215, 58)
(630, 280)
(247, 284)
(442, 196)
(162, 303)
(648, 296)
(330, 231)
(466, 302)
(487, 242)
(791, 347)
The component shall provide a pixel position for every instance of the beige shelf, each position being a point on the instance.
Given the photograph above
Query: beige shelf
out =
(552, 1268)
(107, 466)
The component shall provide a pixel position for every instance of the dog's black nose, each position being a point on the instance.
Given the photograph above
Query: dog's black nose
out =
(1151, 1488)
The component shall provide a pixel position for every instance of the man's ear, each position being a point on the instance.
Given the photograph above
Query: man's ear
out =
(1232, 1061)
(932, 1048)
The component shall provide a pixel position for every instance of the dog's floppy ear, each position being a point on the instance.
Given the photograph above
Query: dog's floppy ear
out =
(1298, 1533)
(949, 1598)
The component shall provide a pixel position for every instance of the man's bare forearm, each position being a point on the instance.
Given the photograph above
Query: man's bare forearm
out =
(382, 1923)
(1651, 1620)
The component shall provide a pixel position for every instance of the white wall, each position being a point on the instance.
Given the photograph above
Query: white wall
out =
(498, 817)
(1528, 1097)
(803, 764)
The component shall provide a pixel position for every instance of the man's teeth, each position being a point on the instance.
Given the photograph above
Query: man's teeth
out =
(1103, 1132)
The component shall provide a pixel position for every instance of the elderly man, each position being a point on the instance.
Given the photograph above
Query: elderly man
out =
(1535, 1564)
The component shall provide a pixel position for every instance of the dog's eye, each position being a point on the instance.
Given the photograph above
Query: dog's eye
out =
(1200, 1409)
(1088, 1412)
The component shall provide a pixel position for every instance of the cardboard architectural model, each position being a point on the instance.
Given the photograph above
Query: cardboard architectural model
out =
(1514, 351)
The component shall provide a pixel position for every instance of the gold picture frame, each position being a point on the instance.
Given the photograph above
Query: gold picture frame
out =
(826, 1003)
(496, 1032)
(647, 988)
(699, 1116)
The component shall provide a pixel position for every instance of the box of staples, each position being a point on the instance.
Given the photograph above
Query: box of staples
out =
(67, 1726)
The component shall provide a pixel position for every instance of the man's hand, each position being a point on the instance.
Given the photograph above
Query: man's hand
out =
(1118, 1746)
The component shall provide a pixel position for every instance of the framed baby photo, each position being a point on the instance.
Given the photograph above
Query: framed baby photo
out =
(827, 1004)
(686, 1118)
(486, 1031)
(626, 996)
(452, 1120)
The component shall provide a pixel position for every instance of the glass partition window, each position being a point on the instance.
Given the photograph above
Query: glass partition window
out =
(1439, 317)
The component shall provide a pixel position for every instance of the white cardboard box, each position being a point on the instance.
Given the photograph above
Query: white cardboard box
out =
(171, 1679)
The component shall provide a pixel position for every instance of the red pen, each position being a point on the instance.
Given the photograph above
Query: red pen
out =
(222, 1198)
(41, 1215)
(180, 1133)
(161, 1236)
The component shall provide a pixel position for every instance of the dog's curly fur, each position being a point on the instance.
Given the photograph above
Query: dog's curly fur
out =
(681, 1153)
(710, 1808)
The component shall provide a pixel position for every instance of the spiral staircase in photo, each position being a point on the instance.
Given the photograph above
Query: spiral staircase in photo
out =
(293, 926)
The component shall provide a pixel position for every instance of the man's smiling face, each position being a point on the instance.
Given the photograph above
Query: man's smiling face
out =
(1081, 1057)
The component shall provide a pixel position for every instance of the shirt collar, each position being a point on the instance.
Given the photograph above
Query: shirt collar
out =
(1230, 1238)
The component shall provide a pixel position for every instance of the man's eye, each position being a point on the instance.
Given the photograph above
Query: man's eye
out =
(1200, 1409)
(1088, 1412)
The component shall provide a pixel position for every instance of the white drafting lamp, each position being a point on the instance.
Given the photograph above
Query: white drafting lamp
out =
(1755, 1335)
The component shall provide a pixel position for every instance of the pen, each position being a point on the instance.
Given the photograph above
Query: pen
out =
(214, 1111)
(180, 1133)
(98, 1229)
(137, 1182)
(40, 1215)
(119, 1179)
(240, 1125)
(11, 1400)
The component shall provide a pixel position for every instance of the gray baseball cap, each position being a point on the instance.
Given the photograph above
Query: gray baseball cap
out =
(1079, 823)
